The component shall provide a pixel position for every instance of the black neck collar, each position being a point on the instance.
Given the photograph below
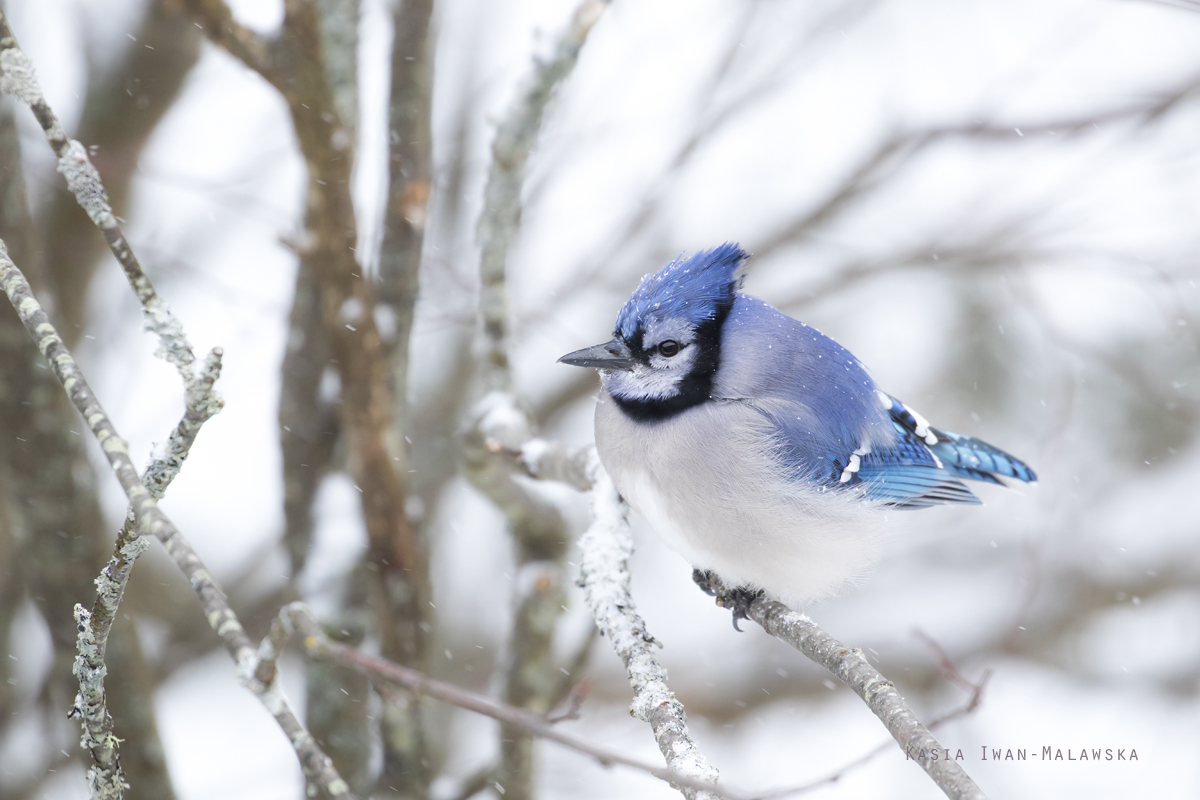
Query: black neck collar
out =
(695, 388)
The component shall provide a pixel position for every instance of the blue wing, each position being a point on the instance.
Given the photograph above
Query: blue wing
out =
(921, 467)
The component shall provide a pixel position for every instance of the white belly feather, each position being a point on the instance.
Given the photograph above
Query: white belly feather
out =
(708, 483)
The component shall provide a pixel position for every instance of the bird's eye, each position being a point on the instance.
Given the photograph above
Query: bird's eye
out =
(668, 348)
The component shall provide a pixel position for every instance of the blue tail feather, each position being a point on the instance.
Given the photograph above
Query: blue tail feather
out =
(968, 457)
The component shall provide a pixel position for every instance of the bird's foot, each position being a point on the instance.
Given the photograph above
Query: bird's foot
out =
(737, 600)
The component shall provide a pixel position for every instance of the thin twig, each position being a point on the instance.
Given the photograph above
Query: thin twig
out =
(152, 521)
(318, 645)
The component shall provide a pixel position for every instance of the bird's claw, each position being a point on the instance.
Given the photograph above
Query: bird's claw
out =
(736, 600)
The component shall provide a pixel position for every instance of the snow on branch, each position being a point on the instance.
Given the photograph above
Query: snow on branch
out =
(605, 550)
(503, 429)
(152, 521)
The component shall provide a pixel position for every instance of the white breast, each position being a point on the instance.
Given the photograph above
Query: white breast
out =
(709, 484)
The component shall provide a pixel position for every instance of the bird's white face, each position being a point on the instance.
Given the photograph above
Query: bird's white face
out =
(664, 353)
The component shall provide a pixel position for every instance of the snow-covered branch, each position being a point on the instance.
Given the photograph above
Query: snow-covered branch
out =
(605, 550)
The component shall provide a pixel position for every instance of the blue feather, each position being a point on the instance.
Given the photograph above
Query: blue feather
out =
(907, 475)
(976, 459)
(920, 469)
(964, 456)
(695, 289)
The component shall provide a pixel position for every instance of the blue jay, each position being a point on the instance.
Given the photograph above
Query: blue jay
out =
(758, 448)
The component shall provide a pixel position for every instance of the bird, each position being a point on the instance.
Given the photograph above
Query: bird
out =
(758, 448)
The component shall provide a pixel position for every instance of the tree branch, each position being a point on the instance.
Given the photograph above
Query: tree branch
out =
(298, 618)
(83, 180)
(501, 217)
(299, 67)
(152, 521)
(537, 527)
(105, 776)
(851, 667)
(605, 550)
(951, 673)
(239, 41)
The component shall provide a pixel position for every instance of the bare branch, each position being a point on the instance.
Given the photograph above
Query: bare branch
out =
(500, 423)
(501, 217)
(236, 39)
(83, 180)
(397, 577)
(410, 150)
(318, 645)
(499, 427)
(152, 521)
(105, 776)
(951, 673)
(850, 666)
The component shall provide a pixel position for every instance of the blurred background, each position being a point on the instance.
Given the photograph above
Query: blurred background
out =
(994, 205)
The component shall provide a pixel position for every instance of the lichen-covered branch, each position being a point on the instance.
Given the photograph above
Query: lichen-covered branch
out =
(298, 618)
(83, 180)
(105, 776)
(851, 667)
(153, 522)
(121, 110)
(501, 216)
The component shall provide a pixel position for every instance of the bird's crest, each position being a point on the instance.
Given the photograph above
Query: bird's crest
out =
(697, 288)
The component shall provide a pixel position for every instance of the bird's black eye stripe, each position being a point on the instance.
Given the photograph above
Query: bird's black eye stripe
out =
(668, 348)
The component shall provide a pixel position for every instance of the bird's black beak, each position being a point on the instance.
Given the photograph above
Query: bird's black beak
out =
(610, 355)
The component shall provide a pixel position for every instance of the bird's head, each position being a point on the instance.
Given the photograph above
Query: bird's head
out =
(667, 342)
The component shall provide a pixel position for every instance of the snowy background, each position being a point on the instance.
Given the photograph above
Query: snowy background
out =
(1021, 266)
